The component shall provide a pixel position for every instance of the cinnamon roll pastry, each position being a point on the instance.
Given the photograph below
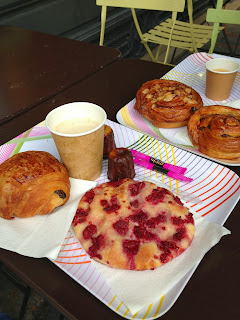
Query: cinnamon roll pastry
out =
(167, 103)
(32, 182)
(215, 131)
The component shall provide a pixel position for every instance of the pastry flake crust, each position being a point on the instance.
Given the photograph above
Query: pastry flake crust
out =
(215, 131)
(167, 103)
(32, 182)
(133, 225)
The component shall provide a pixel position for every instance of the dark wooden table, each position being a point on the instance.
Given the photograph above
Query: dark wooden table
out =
(35, 66)
(212, 291)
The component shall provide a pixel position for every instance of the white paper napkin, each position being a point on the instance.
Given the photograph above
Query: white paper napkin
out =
(42, 236)
(233, 104)
(177, 135)
(140, 288)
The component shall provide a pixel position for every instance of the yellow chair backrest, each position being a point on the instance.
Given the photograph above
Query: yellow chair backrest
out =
(220, 15)
(164, 5)
(223, 16)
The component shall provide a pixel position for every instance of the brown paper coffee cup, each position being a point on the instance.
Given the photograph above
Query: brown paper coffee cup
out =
(220, 76)
(81, 152)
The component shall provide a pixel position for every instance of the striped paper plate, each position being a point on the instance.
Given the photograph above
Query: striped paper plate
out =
(190, 71)
(217, 187)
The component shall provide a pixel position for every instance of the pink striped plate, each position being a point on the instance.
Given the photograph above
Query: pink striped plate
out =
(217, 187)
(190, 71)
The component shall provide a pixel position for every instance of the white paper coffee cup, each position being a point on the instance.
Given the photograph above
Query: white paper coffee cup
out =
(78, 132)
(220, 76)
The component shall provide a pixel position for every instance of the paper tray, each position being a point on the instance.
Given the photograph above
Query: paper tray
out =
(217, 186)
(192, 72)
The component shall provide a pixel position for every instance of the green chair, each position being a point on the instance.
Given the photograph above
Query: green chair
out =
(171, 32)
(220, 15)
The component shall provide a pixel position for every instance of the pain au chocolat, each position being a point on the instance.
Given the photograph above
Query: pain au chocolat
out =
(31, 183)
(215, 131)
(167, 103)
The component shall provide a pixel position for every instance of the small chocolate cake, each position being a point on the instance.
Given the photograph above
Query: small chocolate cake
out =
(109, 142)
(120, 164)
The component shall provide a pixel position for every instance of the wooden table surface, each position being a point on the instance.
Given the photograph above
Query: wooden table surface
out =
(35, 66)
(212, 291)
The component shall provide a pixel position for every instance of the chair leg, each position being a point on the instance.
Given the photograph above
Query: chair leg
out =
(103, 23)
(173, 55)
(227, 42)
(139, 31)
(190, 16)
(158, 52)
(174, 18)
(149, 51)
(214, 37)
(216, 4)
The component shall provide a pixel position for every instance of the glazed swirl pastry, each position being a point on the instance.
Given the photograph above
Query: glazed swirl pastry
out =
(167, 103)
(32, 182)
(215, 130)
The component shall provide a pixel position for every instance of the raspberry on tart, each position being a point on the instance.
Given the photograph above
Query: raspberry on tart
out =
(133, 225)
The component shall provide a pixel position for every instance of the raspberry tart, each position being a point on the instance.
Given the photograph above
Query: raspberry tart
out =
(133, 225)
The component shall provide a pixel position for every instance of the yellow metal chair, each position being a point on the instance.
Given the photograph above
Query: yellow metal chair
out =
(171, 32)
(220, 15)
